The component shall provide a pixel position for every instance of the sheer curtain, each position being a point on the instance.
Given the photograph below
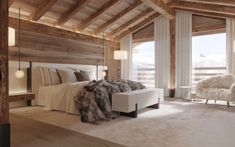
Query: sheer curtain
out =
(126, 65)
(183, 50)
(162, 53)
(230, 30)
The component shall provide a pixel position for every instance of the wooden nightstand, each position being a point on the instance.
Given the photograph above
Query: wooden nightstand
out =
(21, 97)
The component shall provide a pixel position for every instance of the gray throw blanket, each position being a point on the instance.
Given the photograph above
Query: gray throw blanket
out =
(94, 101)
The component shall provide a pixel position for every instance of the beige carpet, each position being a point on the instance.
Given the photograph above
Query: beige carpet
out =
(26, 132)
(175, 124)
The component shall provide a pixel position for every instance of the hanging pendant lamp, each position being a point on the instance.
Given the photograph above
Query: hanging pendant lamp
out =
(19, 73)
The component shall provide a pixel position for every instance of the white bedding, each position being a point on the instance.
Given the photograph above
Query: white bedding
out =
(60, 97)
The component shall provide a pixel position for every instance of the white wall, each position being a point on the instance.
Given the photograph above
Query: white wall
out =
(17, 85)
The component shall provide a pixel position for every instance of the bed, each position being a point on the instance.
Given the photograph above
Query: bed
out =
(59, 95)
(78, 90)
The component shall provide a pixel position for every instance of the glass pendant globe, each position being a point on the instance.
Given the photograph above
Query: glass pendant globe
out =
(19, 74)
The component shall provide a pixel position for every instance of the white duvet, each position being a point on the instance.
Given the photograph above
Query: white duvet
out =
(60, 97)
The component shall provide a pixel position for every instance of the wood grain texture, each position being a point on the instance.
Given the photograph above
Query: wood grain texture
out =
(139, 26)
(40, 43)
(68, 14)
(217, 2)
(160, 7)
(72, 11)
(202, 25)
(209, 14)
(204, 7)
(88, 21)
(42, 9)
(144, 34)
(117, 17)
(130, 22)
(4, 110)
(21, 97)
(47, 30)
(11, 2)
(207, 25)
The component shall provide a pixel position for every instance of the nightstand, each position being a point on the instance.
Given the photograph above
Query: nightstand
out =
(13, 97)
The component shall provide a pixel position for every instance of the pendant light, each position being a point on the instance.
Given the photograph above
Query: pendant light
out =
(19, 73)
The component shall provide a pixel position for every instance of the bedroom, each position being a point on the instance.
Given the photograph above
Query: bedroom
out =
(171, 48)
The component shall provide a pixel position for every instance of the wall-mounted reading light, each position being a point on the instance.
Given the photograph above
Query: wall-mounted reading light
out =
(120, 55)
(19, 73)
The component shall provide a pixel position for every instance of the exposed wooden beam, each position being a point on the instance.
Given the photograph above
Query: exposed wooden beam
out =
(53, 31)
(204, 7)
(217, 2)
(85, 23)
(42, 9)
(117, 17)
(73, 11)
(208, 14)
(130, 22)
(143, 37)
(209, 32)
(160, 7)
(209, 29)
(139, 26)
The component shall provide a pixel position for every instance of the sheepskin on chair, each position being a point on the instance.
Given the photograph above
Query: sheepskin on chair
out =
(217, 88)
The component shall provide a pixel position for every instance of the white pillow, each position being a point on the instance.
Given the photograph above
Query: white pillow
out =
(42, 76)
(67, 75)
(87, 75)
(49, 76)
(55, 77)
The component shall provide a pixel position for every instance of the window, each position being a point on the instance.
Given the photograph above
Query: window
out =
(208, 56)
(143, 63)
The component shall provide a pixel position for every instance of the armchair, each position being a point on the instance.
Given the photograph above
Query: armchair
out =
(217, 88)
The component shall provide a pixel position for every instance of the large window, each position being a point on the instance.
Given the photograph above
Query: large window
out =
(143, 63)
(209, 56)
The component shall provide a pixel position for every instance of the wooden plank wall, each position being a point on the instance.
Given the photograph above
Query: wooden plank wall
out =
(207, 25)
(202, 25)
(42, 43)
(4, 111)
(145, 34)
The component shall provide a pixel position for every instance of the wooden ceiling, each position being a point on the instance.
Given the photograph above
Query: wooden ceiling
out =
(113, 18)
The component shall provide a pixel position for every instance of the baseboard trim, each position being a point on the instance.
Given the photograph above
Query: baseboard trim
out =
(5, 135)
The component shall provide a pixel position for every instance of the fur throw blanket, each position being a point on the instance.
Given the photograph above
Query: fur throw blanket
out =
(94, 100)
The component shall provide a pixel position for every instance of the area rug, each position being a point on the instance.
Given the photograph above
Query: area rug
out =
(26, 132)
(175, 124)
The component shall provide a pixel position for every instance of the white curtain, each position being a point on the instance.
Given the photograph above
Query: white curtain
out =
(230, 30)
(162, 53)
(183, 50)
(126, 65)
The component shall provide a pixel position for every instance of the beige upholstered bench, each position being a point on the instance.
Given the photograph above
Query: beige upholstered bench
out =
(128, 103)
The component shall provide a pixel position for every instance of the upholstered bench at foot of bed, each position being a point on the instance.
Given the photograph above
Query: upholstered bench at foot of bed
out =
(128, 103)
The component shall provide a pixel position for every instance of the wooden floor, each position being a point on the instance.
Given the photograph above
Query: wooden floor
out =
(31, 133)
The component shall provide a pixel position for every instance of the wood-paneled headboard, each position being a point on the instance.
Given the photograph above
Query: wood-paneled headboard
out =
(41, 43)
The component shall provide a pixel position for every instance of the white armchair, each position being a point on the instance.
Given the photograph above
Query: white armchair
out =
(217, 88)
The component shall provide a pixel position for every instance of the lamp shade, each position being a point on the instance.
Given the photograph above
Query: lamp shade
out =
(120, 55)
(19, 74)
(11, 36)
